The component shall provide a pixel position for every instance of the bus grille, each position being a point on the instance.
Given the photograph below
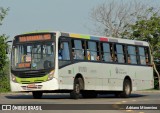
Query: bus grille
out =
(28, 82)
(31, 74)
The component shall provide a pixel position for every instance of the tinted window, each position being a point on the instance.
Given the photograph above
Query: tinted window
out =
(106, 52)
(119, 54)
(132, 58)
(78, 44)
(77, 50)
(142, 55)
(92, 51)
(131, 50)
(64, 53)
(106, 47)
(141, 51)
(92, 46)
(119, 48)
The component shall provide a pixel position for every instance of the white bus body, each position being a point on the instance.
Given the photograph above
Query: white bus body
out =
(97, 76)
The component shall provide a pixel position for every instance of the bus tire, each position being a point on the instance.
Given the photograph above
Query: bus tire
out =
(126, 89)
(37, 94)
(75, 94)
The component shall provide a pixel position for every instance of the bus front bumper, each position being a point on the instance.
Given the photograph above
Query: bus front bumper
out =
(44, 86)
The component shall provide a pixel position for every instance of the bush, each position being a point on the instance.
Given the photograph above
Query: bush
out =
(4, 83)
(4, 79)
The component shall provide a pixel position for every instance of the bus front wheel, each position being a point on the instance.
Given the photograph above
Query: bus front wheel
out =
(37, 94)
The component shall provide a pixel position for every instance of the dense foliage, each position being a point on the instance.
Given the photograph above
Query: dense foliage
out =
(147, 28)
(4, 78)
(4, 62)
(3, 56)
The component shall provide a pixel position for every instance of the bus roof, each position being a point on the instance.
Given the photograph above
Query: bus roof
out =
(105, 39)
(93, 37)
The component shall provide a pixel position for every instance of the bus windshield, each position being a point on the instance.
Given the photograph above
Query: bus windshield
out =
(33, 56)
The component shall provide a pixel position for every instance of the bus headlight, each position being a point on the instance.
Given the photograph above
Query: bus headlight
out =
(13, 78)
(50, 75)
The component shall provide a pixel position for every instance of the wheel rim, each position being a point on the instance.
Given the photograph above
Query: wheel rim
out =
(77, 89)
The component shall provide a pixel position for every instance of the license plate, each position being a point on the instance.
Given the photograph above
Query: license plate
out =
(31, 86)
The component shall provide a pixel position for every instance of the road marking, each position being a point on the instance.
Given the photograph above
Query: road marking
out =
(121, 108)
(129, 110)
(118, 103)
(124, 101)
(133, 100)
(115, 106)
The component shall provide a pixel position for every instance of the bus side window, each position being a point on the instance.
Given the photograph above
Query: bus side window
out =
(142, 55)
(63, 52)
(106, 52)
(92, 51)
(77, 50)
(132, 56)
(120, 53)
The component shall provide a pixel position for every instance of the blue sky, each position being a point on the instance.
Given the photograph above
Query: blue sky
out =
(64, 15)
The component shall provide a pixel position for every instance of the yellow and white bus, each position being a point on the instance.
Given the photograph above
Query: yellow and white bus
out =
(61, 62)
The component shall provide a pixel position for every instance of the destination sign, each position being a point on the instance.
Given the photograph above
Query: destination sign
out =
(35, 38)
(24, 65)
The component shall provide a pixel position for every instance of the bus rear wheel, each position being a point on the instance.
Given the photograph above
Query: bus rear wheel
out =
(37, 94)
(75, 94)
(126, 89)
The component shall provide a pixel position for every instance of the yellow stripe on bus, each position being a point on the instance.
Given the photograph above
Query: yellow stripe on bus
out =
(74, 35)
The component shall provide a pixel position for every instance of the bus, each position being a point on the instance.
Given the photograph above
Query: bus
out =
(82, 65)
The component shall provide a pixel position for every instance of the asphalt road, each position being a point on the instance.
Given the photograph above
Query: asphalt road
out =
(94, 105)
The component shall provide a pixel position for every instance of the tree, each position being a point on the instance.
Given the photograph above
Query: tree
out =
(3, 56)
(112, 19)
(3, 39)
(3, 13)
(147, 28)
(4, 63)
